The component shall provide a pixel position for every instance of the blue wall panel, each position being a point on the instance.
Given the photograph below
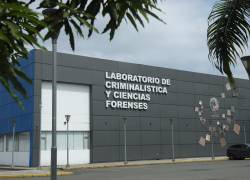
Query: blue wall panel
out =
(10, 110)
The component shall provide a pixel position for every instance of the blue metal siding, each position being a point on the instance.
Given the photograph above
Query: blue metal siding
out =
(9, 109)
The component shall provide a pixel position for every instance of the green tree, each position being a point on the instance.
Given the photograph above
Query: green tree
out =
(18, 28)
(227, 33)
(21, 26)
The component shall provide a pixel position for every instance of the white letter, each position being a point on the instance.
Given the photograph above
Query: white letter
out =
(107, 103)
(108, 84)
(116, 94)
(163, 81)
(107, 93)
(165, 90)
(157, 80)
(107, 75)
(168, 82)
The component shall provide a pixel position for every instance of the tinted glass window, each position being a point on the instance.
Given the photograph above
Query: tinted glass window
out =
(243, 146)
(236, 146)
(239, 146)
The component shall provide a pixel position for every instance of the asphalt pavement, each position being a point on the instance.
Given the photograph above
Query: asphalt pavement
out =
(217, 170)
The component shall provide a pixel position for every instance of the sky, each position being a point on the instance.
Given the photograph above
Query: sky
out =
(178, 44)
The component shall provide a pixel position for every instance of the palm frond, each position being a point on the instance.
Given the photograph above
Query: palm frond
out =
(228, 33)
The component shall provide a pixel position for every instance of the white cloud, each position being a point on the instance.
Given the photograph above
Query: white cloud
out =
(179, 44)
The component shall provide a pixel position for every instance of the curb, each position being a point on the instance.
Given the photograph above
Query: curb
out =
(141, 163)
(60, 173)
(66, 171)
(17, 168)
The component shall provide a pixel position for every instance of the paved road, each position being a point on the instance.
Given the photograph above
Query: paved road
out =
(220, 170)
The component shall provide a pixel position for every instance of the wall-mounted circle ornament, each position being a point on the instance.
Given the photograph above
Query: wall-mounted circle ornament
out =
(214, 104)
(218, 121)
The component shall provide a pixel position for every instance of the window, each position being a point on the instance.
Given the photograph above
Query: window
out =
(71, 140)
(61, 138)
(43, 143)
(78, 140)
(46, 140)
(9, 143)
(23, 142)
(86, 140)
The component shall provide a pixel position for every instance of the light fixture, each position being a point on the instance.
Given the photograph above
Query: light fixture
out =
(246, 63)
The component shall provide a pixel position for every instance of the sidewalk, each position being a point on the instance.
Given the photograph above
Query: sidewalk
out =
(144, 162)
(22, 172)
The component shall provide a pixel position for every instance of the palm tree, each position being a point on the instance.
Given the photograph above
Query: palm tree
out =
(227, 33)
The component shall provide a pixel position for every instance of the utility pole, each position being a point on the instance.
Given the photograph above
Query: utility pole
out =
(54, 95)
(172, 139)
(212, 145)
(67, 123)
(53, 167)
(125, 139)
(245, 135)
(13, 123)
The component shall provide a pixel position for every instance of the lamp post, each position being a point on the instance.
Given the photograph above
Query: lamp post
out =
(13, 123)
(125, 139)
(212, 146)
(53, 168)
(172, 138)
(246, 63)
(67, 123)
(245, 135)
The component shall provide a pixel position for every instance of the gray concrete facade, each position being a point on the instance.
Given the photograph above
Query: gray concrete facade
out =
(148, 132)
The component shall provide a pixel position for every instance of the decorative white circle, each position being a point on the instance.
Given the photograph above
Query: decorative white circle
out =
(214, 104)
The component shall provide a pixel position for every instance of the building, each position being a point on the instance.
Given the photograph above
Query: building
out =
(99, 94)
